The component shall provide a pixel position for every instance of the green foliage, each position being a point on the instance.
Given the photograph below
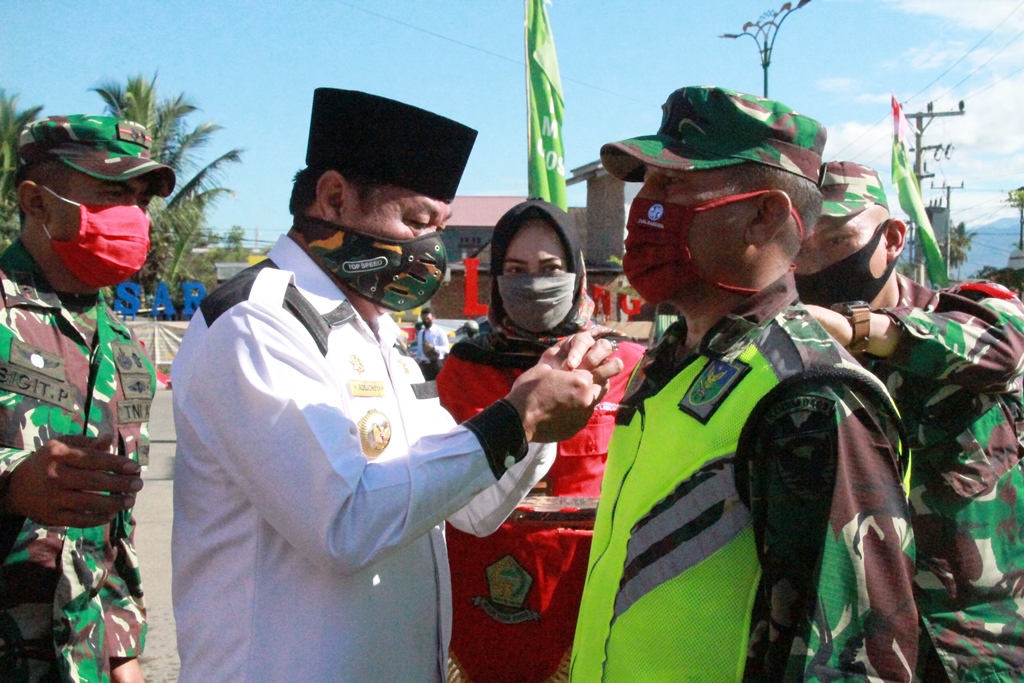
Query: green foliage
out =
(1015, 198)
(1008, 277)
(12, 120)
(960, 242)
(179, 222)
(179, 225)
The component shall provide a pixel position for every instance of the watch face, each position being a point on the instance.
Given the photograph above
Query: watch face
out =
(847, 307)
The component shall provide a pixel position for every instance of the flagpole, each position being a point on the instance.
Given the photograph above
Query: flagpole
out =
(526, 75)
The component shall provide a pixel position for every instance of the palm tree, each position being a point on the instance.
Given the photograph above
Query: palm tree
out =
(960, 242)
(180, 220)
(11, 122)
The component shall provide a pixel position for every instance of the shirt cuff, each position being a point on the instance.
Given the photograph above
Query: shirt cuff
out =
(499, 429)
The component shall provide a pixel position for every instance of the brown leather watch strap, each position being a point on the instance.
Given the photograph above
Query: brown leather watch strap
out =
(860, 321)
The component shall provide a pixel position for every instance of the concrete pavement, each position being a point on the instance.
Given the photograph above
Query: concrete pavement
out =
(154, 511)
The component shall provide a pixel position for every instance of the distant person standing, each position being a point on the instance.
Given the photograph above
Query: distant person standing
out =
(471, 329)
(432, 345)
(75, 392)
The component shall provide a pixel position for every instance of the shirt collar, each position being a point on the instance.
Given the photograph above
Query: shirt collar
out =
(726, 339)
(734, 332)
(318, 287)
(25, 284)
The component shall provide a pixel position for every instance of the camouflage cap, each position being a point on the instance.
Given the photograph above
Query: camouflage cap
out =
(706, 127)
(850, 188)
(99, 146)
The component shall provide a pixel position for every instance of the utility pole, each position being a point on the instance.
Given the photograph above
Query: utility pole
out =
(949, 216)
(921, 121)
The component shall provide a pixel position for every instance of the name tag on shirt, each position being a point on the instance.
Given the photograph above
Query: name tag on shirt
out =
(362, 387)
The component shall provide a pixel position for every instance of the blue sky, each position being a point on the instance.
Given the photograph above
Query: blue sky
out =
(252, 68)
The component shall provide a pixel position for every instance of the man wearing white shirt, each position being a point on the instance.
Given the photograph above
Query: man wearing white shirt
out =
(432, 345)
(315, 467)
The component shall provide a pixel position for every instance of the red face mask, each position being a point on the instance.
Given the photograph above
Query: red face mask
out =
(111, 244)
(658, 262)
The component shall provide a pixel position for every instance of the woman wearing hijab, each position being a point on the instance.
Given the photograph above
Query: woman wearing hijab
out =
(516, 592)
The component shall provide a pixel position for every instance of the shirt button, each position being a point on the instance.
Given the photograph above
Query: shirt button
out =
(509, 461)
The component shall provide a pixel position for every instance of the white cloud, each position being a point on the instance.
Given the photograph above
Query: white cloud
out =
(972, 14)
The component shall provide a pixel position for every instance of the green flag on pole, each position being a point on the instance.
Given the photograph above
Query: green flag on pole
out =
(544, 93)
(910, 198)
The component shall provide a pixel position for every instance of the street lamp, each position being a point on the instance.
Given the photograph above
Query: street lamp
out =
(764, 31)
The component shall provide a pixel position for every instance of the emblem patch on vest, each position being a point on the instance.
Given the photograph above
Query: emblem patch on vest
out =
(712, 385)
(509, 584)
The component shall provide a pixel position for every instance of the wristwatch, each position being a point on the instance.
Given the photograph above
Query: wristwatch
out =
(859, 315)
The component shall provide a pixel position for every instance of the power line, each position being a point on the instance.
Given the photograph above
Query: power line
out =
(966, 54)
(982, 65)
(992, 85)
(936, 80)
(517, 62)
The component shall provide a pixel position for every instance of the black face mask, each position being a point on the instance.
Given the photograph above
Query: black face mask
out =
(848, 279)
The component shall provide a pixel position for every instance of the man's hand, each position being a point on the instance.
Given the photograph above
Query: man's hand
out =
(556, 397)
(580, 351)
(72, 482)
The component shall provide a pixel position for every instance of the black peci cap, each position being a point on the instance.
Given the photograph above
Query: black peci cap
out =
(388, 142)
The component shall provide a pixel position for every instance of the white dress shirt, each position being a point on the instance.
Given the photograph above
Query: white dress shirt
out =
(437, 337)
(295, 556)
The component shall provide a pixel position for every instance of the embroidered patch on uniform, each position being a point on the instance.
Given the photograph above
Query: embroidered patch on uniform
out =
(364, 387)
(40, 387)
(712, 385)
(509, 585)
(405, 368)
(34, 360)
(137, 386)
(425, 390)
(374, 433)
(357, 364)
(133, 410)
(128, 359)
(796, 434)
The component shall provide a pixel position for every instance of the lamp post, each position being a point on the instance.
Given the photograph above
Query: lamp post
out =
(764, 32)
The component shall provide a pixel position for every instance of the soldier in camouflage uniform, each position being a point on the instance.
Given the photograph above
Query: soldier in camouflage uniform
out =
(953, 359)
(75, 391)
(752, 523)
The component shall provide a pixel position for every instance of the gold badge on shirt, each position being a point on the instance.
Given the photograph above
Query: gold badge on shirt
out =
(357, 364)
(374, 433)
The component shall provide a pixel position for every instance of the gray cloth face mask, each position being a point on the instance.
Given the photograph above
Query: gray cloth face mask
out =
(537, 302)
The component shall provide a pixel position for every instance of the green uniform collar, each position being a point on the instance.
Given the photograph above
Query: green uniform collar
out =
(25, 284)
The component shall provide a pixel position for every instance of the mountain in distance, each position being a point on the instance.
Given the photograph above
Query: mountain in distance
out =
(992, 245)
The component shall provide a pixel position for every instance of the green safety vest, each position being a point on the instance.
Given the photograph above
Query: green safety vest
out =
(673, 568)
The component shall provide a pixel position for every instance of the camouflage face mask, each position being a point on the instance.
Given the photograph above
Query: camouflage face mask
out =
(395, 274)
